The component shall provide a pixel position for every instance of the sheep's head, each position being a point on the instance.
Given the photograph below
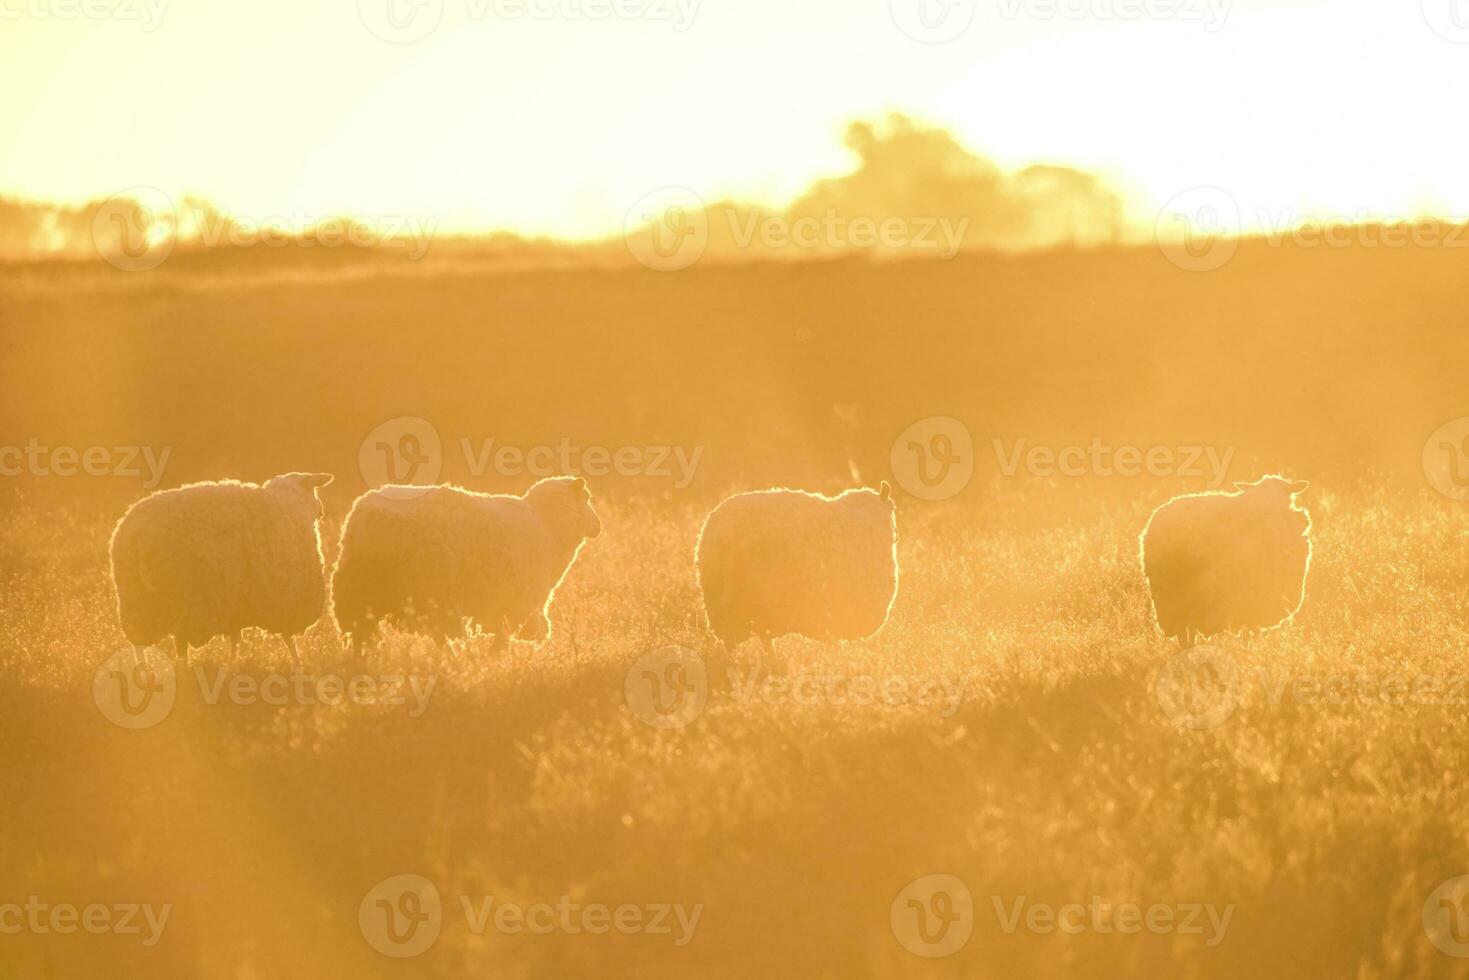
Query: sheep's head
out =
(568, 501)
(302, 485)
(1275, 496)
(877, 502)
(1275, 486)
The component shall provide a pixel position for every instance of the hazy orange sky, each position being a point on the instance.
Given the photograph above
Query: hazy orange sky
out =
(539, 117)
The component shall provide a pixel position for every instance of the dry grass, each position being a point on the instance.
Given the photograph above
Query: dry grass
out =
(528, 777)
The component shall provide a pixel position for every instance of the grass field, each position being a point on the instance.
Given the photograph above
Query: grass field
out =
(794, 821)
(1050, 284)
(1016, 725)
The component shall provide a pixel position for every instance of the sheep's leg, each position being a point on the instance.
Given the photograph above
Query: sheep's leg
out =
(291, 645)
(767, 643)
(181, 649)
(235, 640)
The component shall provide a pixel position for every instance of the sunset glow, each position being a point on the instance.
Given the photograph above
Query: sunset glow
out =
(834, 489)
(550, 119)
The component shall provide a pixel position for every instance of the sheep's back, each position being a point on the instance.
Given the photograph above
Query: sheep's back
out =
(437, 555)
(781, 563)
(199, 561)
(1219, 562)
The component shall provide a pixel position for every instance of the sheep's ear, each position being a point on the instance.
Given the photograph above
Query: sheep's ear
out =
(885, 491)
(316, 480)
(1242, 486)
(1300, 486)
(580, 483)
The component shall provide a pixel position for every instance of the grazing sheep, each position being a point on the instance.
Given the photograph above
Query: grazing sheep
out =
(213, 558)
(434, 557)
(774, 562)
(1227, 561)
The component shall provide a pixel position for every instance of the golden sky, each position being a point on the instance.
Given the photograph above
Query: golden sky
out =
(556, 116)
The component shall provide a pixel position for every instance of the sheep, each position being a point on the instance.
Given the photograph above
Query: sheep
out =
(776, 562)
(207, 559)
(434, 557)
(1227, 561)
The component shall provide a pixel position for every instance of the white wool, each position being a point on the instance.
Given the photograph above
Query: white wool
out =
(437, 558)
(1228, 561)
(773, 562)
(213, 558)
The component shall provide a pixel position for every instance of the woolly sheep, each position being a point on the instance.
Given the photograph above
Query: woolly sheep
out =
(434, 557)
(774, 562)
(213, 558)
(1228, 561)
